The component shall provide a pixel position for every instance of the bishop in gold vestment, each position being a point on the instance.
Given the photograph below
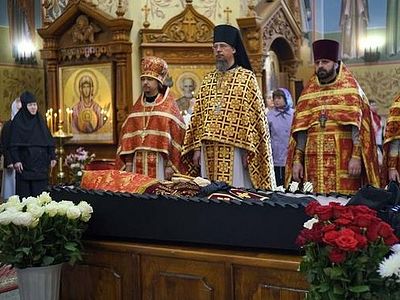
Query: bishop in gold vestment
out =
(228, 132)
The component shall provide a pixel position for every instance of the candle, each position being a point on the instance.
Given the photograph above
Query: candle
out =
(51, 120)
(67, 121)
(60, 115)
(70, 118)
(55, 121)
(48, 120)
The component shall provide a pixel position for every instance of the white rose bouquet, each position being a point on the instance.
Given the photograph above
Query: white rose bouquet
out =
(37, 231)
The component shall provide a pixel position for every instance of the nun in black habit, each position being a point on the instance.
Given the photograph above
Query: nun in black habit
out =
(32, 148)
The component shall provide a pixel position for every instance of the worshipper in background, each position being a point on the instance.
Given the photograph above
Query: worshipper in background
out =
(31, 147)
(279, 121)
(152, 135)
(332, 141)
(378, 128)
(391, 145)
(227, 137)
(8, 180)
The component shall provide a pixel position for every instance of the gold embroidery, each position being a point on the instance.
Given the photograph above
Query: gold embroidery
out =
(232, 113)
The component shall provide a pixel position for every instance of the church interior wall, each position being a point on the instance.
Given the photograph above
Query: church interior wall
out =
(380, 79)
(16, 78)
(161, 11)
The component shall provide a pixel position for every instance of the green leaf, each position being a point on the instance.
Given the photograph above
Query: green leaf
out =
(71, 246)
(47, 260)
(338, 290)
(25, 250)
(359, 289)
(336, 272)
(323, 288)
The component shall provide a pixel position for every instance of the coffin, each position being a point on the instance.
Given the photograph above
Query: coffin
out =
(270, 224)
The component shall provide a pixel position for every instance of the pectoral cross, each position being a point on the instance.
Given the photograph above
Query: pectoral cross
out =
(217, 108)
(143, 134)
(227, 11)
(322, 120)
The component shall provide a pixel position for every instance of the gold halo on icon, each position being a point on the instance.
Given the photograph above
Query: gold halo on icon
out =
(78, 77)
(190, 75)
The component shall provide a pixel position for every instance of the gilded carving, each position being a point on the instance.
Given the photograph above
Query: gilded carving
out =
(120, 35)
(290, 67)
(78, 52)
(83, 30)
(188, 27)
(181, 55)
(257, 65)
(295, 9)
(253, 41)
(279, 26)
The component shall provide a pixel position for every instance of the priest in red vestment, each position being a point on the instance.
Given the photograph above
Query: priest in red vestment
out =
(152, 135)
(391, 144)
(332, 140)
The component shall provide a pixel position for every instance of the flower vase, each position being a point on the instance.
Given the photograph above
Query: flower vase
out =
(39, 283)
(76, 175)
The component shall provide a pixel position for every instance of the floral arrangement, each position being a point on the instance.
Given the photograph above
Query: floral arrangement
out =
(306, 187)
(37, 231)
(77, 161)
(344, 248)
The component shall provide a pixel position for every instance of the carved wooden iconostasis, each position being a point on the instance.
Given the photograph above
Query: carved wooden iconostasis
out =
(272, 35)
(87, 58)
(184, 43)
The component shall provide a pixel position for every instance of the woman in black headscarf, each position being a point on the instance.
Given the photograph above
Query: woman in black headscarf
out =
(32, 148)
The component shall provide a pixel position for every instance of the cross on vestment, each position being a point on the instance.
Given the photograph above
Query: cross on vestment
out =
(227, 11)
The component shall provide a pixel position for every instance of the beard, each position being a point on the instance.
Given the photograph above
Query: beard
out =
(222, 65)
(323, 74)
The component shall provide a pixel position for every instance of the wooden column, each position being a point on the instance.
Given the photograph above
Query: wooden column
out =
(252, 38)
(121, 89)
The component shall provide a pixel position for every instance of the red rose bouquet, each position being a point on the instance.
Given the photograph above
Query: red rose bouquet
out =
(344, 246)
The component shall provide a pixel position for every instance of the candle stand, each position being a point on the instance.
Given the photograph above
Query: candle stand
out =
(61, 137)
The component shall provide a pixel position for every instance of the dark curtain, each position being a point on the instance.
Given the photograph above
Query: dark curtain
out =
(21, 16)
(393, 27)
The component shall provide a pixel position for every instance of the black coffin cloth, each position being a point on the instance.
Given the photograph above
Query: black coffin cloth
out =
(272, 224)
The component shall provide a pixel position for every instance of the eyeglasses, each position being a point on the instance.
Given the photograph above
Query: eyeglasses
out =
(222, 46)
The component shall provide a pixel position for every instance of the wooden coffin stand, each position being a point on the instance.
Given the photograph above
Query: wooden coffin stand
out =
(176, 248)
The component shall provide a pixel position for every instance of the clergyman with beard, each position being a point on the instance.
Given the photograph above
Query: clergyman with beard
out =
(332, 141)
(228, 138)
